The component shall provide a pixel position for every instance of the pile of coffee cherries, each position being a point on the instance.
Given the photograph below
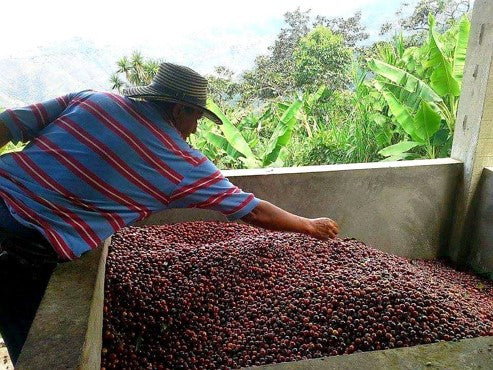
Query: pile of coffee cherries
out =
(209, 295)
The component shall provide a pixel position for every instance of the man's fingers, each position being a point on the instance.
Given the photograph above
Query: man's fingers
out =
(325, 228)
(331, 232)
(333, 229)
(335, 226)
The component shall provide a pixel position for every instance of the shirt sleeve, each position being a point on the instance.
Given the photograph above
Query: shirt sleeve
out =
(25, 123)
(205, 187)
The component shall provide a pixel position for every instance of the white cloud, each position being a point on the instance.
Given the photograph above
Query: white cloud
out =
(27, 24)
(198, 33)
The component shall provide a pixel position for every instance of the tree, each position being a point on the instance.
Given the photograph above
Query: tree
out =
(136, 71)
(415, 26)
(277, 74)
(321, 59)
(222, 88)
(351, 29)
(272, 75)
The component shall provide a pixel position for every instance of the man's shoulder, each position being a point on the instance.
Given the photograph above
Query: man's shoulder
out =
(96, 93)
(103, 98)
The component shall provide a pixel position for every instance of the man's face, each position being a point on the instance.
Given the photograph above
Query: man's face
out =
(185, 119)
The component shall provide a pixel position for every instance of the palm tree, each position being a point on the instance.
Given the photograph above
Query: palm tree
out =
(116, 82)
(136, 70)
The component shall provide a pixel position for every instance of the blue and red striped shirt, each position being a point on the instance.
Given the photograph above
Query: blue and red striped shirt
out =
(96, 162)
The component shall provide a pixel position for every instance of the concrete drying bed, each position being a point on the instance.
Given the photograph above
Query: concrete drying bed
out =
(409, 203)
(67, 332)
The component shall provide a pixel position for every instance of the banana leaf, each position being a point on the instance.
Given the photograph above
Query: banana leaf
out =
(399, 149)
(10, 147)
(220, 142)
(401, 156)
(313, 98)
(400, 111)
(404, 79)
(441, 78)
(282, 133)
(427, 122)
(411, 100)
(250, 162)
(400, 45)
(231, 133)
(461, 48)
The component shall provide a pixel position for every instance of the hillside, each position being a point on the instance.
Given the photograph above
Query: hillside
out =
(53, 71)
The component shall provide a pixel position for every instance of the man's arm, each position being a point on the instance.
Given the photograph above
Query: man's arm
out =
(5, 135)
(22, 124)
(271, 217)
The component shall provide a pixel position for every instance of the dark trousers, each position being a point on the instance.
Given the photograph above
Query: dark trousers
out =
(26, 264)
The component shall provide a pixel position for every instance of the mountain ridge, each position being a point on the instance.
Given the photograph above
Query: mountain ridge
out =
(56, 70)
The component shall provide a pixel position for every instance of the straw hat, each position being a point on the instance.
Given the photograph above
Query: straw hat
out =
(176, 84)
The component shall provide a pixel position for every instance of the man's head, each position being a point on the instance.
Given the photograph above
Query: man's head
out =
(184, 118)
(180, 85)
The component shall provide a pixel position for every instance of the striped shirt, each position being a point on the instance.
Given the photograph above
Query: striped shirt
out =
(96, 162)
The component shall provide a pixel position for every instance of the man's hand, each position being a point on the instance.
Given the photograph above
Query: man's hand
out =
(271, 217)
(323, 228)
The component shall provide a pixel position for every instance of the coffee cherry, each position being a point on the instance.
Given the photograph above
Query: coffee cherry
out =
(211, 295)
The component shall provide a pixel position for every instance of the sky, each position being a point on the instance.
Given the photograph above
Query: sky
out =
(196, 33)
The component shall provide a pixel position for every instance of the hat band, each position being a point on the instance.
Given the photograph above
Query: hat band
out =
(178, 95)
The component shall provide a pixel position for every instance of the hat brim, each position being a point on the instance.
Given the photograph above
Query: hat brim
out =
(150, 93)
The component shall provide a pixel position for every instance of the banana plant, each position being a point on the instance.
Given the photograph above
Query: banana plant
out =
(420, 127)
(460, 49)
(310, 102)
(231, 140)
(236, 146)
(424, 107)
(282, 132)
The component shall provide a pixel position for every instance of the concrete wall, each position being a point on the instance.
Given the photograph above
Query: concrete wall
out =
(402, 208)
(476, 353)
(67, 330)
(473, 135)
(481, 236)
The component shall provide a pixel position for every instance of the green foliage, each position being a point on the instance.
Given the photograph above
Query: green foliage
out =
(414, 22)
(239, 148)
(321, 59)
(319, 149)
(441, 78)
(349, 127)
(317, 97)
(272, 76)
(233, 138)
(350, 29)
(459, 59)
(303, 48)
(424, 102)
(134, 71)
(282, 133)
(222, 88)
(9, 148)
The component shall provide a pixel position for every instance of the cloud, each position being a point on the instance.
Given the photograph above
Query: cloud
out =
(202, 34)
(31, 23)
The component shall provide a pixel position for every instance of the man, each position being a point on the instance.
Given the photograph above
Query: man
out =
(97, 162)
